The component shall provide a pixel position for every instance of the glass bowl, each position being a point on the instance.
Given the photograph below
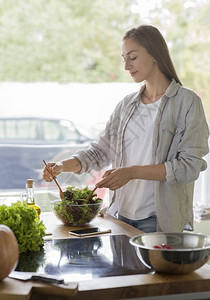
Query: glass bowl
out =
(76, 214)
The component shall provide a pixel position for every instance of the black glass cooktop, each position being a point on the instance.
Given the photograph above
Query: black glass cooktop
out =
(84, 258)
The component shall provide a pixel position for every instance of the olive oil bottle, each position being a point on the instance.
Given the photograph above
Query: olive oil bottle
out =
(30, 196)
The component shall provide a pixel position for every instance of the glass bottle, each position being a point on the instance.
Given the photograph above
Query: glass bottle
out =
(30, 196)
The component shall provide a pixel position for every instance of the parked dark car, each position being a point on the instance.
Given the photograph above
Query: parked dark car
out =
(26, 141)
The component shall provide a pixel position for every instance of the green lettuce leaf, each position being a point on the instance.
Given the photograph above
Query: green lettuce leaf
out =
(26, 226)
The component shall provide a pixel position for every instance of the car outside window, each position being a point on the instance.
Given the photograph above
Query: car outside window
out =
(26, 141)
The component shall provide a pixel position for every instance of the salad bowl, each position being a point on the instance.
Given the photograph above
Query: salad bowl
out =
(74, 209)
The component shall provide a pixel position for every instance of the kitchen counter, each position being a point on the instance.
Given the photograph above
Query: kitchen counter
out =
(114, 287)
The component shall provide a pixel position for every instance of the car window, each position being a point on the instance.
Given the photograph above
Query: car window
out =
(27, 129)
(2, 130)
(68, 131)
(59, 131)
(51, 131)
(18, 129)
(40, 130)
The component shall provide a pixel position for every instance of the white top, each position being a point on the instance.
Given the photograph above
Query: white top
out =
(137, 197)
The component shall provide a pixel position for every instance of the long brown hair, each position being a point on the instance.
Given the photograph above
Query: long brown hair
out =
(150, 38)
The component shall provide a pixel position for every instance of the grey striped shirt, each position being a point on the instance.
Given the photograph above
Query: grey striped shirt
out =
(180, 140)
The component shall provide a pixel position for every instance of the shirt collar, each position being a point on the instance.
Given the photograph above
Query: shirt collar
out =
(170, 92)
(172, 89)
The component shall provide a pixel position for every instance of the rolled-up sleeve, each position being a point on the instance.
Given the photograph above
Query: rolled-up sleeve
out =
(96, 157)
(192, 147)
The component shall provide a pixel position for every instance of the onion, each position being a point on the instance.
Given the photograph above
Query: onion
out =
(9, 251)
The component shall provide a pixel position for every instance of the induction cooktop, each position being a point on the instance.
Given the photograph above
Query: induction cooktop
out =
(84, 258)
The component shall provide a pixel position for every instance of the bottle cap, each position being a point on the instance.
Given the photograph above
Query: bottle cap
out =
(30, 183)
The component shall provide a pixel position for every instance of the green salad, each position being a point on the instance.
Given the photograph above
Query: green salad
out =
(74, 210)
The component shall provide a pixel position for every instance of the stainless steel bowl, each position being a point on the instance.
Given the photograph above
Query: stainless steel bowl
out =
(178, 253)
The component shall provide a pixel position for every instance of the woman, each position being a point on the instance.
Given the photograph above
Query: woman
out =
(155, 140)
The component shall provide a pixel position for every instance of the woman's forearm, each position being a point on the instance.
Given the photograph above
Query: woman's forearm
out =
(71, 165)
(116, 178)
(148, 172)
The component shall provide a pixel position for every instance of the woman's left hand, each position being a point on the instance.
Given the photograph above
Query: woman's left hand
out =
(115, 178)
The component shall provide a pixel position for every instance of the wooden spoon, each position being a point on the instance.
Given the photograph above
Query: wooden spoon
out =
(91, 193)
(54, 178)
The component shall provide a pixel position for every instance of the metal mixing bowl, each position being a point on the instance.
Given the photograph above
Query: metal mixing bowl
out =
(188, 251)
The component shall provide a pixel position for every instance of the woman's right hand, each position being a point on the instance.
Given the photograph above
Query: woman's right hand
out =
(55, 168)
